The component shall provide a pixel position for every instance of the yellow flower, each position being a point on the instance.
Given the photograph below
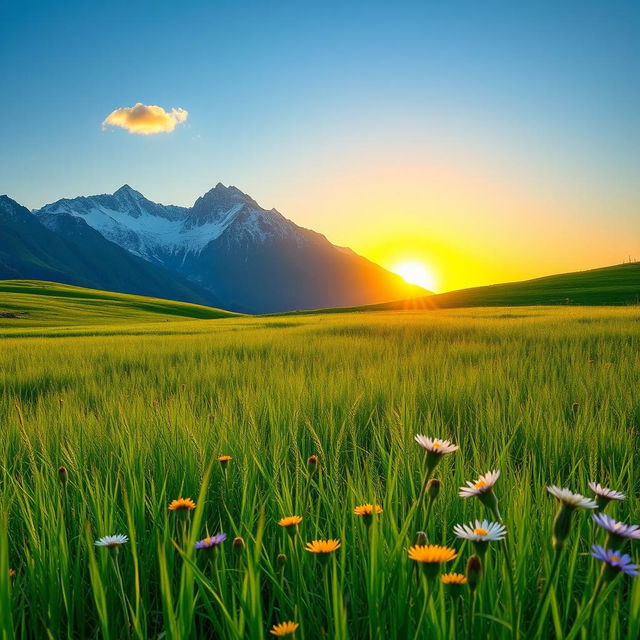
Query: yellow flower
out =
(182, 504)
(284, 629)
(290, 521)
(12, 573)
(367, 509)
(432, 553)
(322, 547)
(453, 578)
(224, 458)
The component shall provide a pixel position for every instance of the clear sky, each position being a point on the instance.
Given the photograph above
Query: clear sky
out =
(489, 141)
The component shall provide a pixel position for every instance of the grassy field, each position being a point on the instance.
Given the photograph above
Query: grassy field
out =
(139, 418)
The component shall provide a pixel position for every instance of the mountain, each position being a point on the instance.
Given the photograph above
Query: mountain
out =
(615, 285)
(249, 258)
(64, 248)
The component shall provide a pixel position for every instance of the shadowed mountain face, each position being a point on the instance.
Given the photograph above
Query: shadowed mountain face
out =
(245, 257)
(64, 248)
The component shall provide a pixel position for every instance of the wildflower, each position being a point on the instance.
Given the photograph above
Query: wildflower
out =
(569, 502)
(312, 464)
(367, 512)
(290, 521)
(604, 495)
(483, 489)
(454, 583)
(323, 548)
(284, 629)
(182, 504)
(113, 543)
(224, 461)
(420, 540)
(480, 533)
(615, 562)
(433, 488)
(453, 578)
(435, 449)
(474, 571)
(12, 573)
(617, 531)
(570, 499)
(430, 557)
(63, 475)
(281, 560)
(238, 544)
(211, 542)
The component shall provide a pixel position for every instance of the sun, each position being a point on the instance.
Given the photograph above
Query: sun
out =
(415, 272)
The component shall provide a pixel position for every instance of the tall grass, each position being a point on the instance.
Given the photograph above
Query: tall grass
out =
(139, 420)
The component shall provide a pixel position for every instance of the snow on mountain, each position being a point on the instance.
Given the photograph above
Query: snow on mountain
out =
(157, 232)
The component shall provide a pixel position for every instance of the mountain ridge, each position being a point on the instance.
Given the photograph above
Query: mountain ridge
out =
(250, 258)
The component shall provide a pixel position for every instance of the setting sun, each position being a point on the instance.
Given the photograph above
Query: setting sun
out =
(415, 272)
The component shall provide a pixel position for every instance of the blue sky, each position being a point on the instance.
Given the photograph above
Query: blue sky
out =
(354, 120)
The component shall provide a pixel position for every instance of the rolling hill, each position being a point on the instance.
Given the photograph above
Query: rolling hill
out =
(32, 303)
(615, 285)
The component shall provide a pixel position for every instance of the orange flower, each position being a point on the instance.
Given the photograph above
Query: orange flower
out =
(432, 553)
(368, 510)
(290, 521)
(453, 578)
(323, 547)
(224, 458)
(284, 629)
(182, 504)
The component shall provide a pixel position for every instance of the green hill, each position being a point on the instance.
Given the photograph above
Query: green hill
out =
(34, 303)
(617, 285)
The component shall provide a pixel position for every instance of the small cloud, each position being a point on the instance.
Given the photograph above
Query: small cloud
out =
(146, 119)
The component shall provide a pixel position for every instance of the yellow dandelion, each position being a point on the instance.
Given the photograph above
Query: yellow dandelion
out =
(323, 547)
(290, 521)
(453, 578)
(284, 629)
(432, 553)
(368, 509)
(224, 458)
(182, 504)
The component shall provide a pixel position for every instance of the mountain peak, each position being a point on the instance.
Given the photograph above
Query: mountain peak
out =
(126, 190)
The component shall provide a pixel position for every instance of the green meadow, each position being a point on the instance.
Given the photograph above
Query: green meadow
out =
(138, 404)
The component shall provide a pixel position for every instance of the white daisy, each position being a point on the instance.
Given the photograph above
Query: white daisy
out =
(481, 531)
(111, 541)
(606, 494)
(435, 445)
(570, 499)
(482, 485)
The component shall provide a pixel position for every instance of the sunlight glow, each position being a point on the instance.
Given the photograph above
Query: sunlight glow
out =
(415, 272)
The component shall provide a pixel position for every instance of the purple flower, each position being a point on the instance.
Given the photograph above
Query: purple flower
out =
(617, 529)
(615, 560)
(211, 542)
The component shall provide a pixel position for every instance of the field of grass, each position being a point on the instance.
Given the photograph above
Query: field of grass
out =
(546, 395)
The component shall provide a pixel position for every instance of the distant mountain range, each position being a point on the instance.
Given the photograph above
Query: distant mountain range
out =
(224, 251)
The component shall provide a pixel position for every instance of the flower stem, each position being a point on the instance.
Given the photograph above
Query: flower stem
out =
(547, 589)
(594, 600)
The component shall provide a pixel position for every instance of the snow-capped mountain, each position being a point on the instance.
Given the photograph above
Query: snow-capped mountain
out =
(248, 257)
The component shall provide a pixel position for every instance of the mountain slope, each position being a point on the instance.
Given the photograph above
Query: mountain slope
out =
(250, 258)
(64, 248)
(615, 285)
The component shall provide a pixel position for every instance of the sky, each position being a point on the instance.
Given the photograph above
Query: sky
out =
(487, 141)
